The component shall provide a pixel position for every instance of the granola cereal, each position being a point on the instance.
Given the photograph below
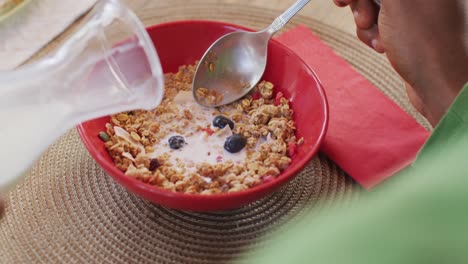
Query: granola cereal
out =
(184, 147)
(210, 97)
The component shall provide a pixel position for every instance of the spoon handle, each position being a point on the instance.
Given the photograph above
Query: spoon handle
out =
(286, 16)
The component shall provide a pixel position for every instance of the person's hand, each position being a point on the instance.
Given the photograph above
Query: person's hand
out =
(426, 42)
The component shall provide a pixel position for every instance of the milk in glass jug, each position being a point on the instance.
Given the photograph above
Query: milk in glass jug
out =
(107, 66)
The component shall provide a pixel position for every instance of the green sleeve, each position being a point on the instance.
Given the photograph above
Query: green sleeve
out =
(419, 217)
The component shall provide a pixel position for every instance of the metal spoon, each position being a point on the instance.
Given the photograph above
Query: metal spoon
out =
(234, 64)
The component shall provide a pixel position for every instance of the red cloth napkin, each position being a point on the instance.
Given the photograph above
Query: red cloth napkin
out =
(369, 136)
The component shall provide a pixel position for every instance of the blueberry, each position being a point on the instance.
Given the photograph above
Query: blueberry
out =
(222, 121)
(235, 143)
(176, 142)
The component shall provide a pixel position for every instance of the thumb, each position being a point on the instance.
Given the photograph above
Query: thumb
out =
(371, 37)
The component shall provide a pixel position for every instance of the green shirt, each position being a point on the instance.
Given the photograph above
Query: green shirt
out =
(420, 216)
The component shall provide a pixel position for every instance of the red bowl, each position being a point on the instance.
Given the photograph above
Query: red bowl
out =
(183, 42)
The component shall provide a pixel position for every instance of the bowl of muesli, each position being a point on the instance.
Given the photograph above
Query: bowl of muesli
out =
(185, 156)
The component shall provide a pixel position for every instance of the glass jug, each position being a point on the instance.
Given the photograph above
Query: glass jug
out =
(107, 66)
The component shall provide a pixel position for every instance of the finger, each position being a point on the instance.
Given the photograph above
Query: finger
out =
(342, 3)
(415, 100)
(371, 38)
(365, 13)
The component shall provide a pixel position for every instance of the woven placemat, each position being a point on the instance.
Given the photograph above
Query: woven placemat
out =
(68, 211)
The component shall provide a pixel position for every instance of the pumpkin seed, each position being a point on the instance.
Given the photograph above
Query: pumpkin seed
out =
(103, 136)
(122, 117)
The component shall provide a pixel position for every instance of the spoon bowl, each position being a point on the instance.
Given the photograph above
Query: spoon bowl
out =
(234, 64)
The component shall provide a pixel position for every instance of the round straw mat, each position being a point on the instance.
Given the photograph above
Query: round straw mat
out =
(68, 211)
